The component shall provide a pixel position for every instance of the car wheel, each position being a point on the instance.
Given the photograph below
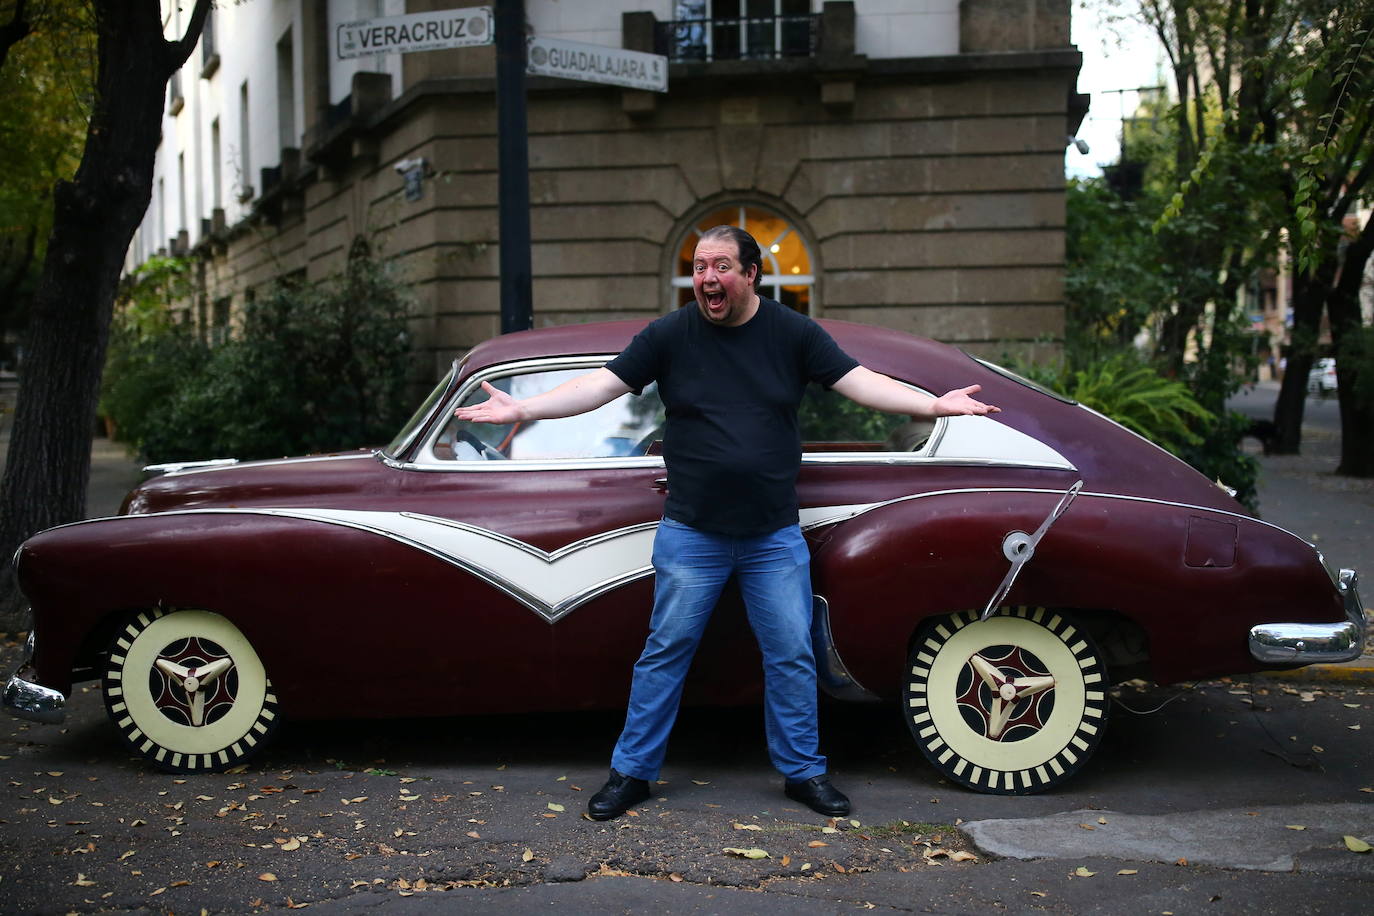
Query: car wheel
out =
(1011, 705)
(187, 691)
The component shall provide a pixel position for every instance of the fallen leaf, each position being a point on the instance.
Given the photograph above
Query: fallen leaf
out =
(410, 798)
(126, 855)
(675, 878)
(816, 844)
(806, 866)
(1355, 844)
(295, 906)
(1037, 893)
(160, 890)
(838, 867)
(962, 856)
(1295, 826)
(527, 855)
(357, 884)
(291, 844)
(556, 807)
(1353, 728)
(702, 782)
(1102, 820)
(738, 826)
(855, 824)
(54, 772)
(786, 861)
(1128, 871)
(81, 881)
(180, 884)
(1083, 872)
(829, 830)
(474, 834)
(751, 853)
(267, 876)
(1087, 826)
(1181, 861)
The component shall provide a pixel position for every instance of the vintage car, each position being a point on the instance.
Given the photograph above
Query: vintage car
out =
(991, 576)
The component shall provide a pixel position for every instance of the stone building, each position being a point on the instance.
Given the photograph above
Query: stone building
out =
(901, 160)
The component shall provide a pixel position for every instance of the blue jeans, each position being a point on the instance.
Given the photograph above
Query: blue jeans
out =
(774, 575)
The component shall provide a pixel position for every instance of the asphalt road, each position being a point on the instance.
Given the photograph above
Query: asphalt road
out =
(1222, 797)
(1232, 797)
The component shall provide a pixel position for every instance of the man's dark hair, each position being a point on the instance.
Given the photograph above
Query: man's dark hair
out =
(749, 252)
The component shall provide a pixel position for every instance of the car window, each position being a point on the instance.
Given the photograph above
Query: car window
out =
(629, 425)
(830, 422)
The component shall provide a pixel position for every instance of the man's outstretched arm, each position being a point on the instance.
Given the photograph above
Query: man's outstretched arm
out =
(872, 389)
(576, 395)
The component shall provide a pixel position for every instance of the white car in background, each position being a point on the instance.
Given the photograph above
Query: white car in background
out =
(1322, 379)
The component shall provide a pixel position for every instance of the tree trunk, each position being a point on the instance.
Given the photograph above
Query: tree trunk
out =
(1309, 297)
(1353, 359)
(15, 30)
(94, 218)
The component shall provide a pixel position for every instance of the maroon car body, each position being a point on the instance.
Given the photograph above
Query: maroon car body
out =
(493, 569)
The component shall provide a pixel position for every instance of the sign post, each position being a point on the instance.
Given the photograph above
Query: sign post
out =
(513, 181)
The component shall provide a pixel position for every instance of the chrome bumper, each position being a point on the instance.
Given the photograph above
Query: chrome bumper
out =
(1311, 643)
(28, 700)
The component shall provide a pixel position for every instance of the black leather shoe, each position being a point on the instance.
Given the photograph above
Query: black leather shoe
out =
(619, 794)
(819, 795)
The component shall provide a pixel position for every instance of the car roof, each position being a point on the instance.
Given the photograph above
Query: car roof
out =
(881, 349)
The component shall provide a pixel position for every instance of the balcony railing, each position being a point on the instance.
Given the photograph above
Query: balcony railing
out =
(749, 38)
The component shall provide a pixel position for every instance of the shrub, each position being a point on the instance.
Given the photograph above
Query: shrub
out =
(314, 368)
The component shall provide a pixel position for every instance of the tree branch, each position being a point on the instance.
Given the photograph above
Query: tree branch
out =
(181, 48)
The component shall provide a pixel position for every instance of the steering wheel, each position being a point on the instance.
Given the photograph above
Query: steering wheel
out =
(477, 445)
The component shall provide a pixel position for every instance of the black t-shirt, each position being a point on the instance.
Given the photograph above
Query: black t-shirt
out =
(731, 441)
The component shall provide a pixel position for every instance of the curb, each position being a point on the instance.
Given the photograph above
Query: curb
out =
(1353, 673)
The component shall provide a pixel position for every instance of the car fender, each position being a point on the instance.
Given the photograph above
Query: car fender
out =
(1194, 579)
(322, 604)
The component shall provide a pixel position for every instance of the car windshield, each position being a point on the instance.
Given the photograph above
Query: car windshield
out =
(627, 426)
(412, 427)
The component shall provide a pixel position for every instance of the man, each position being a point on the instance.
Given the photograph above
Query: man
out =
(731, 373)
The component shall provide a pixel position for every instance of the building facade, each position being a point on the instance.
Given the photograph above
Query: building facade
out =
(900, 160)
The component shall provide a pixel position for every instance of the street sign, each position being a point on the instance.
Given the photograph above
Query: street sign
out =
(463, 28)
(574, 60)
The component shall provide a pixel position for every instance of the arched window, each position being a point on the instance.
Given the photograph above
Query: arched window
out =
(787, 274)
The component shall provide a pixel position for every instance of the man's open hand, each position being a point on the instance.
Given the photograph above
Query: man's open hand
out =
(960, 403)
(499, 408)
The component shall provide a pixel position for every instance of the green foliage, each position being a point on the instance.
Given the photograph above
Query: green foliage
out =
(1135, 395)
(1163, 410)
(45, 89)
(314, 368)
(1113, 283)
(825, 416)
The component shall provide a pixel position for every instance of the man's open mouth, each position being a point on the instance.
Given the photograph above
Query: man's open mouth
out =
(715, 300)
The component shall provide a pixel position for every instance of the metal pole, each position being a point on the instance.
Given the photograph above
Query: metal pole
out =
(517, 307)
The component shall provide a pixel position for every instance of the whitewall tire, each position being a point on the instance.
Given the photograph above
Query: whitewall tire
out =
(1011, 705)
(187, 691)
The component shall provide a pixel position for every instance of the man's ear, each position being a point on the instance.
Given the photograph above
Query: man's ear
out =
(753, 273)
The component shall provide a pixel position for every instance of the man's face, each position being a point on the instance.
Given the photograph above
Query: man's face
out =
(725, 294)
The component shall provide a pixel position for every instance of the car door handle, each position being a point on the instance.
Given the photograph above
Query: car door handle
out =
(661, 483)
